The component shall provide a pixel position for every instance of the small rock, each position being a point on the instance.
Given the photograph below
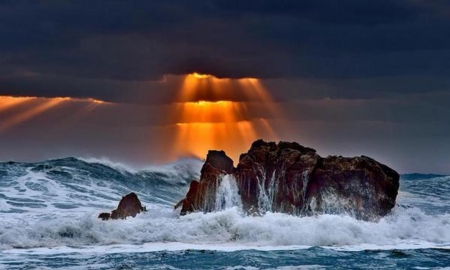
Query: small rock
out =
(130, 205)
(104, 216)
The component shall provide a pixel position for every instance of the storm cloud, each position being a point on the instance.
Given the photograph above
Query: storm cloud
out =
(145, 40)
(353, 76)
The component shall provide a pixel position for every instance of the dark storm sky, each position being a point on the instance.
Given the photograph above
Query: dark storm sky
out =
(354, 76)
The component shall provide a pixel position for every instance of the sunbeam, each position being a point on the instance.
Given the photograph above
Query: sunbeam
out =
(213, 113)
(35, 107)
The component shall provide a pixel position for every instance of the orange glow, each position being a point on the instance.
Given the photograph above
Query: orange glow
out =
(197, 87)
(211, 112)
(27, 108)
(207, 118)
(197, 138)
(8, 102)
(93, 100)
(200, 76)
(28, 114)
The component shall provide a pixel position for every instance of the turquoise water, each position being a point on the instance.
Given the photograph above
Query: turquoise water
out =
(48, 220)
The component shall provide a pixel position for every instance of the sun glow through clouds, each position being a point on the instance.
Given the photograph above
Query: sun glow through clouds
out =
(200, 76)
(17, 110)
(210, 117)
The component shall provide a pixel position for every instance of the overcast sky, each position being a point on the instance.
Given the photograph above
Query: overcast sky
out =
(354, 77)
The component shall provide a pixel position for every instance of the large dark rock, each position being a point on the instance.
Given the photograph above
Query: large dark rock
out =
(129, 206)
(290, 178)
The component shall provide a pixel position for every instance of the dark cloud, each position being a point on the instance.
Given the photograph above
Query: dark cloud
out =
(354, 76)
(143, 40)
(364, 12)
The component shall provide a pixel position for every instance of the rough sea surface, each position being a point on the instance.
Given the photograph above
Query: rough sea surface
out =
(48, 220)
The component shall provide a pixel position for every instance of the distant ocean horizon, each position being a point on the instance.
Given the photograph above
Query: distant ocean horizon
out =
(49, 220)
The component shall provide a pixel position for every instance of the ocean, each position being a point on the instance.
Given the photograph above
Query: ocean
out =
(48, 220)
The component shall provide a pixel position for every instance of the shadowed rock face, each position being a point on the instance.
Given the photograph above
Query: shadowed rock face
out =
(220, 161)
(202, 194)
(290, 178)
(129, 206)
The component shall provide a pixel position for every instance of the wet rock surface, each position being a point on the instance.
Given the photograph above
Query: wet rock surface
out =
(129, 206)
(290, 178)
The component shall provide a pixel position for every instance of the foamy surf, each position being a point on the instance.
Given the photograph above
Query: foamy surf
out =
(405, 228)
(49, 210)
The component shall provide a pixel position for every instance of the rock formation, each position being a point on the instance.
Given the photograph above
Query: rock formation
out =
(290, 178)
(202, 195)
(129, 206)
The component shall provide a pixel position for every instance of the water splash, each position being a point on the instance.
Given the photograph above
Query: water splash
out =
(227, 195)
(266, 195)
(423, 203)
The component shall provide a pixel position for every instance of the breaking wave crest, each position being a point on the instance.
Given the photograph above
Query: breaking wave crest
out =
(56, 203)
(405, 228)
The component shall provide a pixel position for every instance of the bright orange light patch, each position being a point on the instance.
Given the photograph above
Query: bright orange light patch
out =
(211, 112)
(200, 76)
(8, 102)
(26, 108)
(30, 113)
(208, 117)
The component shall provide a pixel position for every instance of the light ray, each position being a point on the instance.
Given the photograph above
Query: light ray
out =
(268, 128)
(37, 107)
(28, 114)
(256, 88)
(208, 118)
(9, 102)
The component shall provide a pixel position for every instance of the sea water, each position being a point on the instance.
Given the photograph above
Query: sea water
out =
(48, 220)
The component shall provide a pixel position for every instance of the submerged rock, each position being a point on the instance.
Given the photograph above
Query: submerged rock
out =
(290, 178)
(129, 205)
(104, 216)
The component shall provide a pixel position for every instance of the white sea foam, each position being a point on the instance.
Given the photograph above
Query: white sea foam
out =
(66, 186)
(225, 230)
(52, 229)
(121, 167)
(180, 169)
(184, 166)
(228, 194)
(36, 192)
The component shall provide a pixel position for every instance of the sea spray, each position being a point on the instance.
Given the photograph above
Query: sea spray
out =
(266, 195)
(406, 228)
(227, 195)
(417, 229)
(69, 183)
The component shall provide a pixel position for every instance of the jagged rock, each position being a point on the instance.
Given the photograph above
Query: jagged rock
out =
(220, 161)
(104, 216)
(202, 195)
(187, 204)
(290, 178)
(129, 205)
